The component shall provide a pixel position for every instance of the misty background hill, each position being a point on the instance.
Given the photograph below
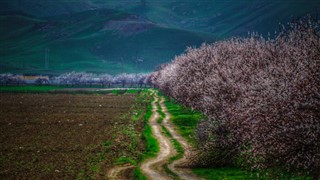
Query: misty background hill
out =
(114, 36)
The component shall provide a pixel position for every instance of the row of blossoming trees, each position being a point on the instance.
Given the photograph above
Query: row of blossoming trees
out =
(80, 78)
(122, 80)
(261, 97)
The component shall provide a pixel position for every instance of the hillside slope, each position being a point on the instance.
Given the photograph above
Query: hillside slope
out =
(127, 35)
(100, 41)
(221, 18)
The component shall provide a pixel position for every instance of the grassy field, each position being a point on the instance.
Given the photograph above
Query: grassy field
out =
(26, 89)
(66, 89)
(69, 135)
(184, 118)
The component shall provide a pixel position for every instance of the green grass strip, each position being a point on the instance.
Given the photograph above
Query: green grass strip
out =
(162, 115)
(28, 89)
(56, 89)
(185, 119)
(176, 145)
(138, 175)
(152, 145)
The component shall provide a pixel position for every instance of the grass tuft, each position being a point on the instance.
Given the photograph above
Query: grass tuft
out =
(185, 119)
(139, 175)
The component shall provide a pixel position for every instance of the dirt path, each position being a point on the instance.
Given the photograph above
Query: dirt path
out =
(178, 166)
(153, 168)
(120, 172)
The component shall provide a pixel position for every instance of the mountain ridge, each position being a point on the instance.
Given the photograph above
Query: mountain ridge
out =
(81, 42)
(110, 36)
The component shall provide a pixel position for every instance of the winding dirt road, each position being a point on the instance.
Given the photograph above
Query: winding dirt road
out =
(178, 166)
(153, 167)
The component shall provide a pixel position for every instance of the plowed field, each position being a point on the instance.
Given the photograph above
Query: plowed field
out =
(45, 136)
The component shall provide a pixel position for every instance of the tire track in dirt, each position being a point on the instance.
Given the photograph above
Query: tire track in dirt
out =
(178, 166)
(153, 168)
(119, 172)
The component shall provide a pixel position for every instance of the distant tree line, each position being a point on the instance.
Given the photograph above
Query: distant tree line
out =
(79, 79)
(11, 79)
(261, 97)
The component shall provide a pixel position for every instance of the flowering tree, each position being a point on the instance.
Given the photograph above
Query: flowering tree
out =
(139, 79)
(122, 79)
(82, 78)
(130, 79)
(261, 97)
(106, 79)
(41, 81)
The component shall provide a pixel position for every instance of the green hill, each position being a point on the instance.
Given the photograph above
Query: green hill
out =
(127, 35)
(100, 41)
(222, 18)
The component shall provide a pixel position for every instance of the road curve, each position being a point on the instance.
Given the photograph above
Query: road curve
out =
(119, 172)
(178, 165)
(153, 168)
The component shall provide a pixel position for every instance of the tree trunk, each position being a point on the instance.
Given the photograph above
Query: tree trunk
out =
(316, 174)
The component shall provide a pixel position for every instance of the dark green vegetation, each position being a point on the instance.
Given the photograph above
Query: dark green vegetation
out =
(221, 18)
(126, 36)
(100, 41)
(138, 175)
(70, 135)
(152, 146)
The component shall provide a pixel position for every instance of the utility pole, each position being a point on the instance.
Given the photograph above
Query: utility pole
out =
(46, 60)
(122, 69)
(138, 61)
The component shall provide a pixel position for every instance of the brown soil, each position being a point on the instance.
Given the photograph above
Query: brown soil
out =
(54, 136)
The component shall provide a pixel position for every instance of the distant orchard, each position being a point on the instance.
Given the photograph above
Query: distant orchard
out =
(77, 79)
